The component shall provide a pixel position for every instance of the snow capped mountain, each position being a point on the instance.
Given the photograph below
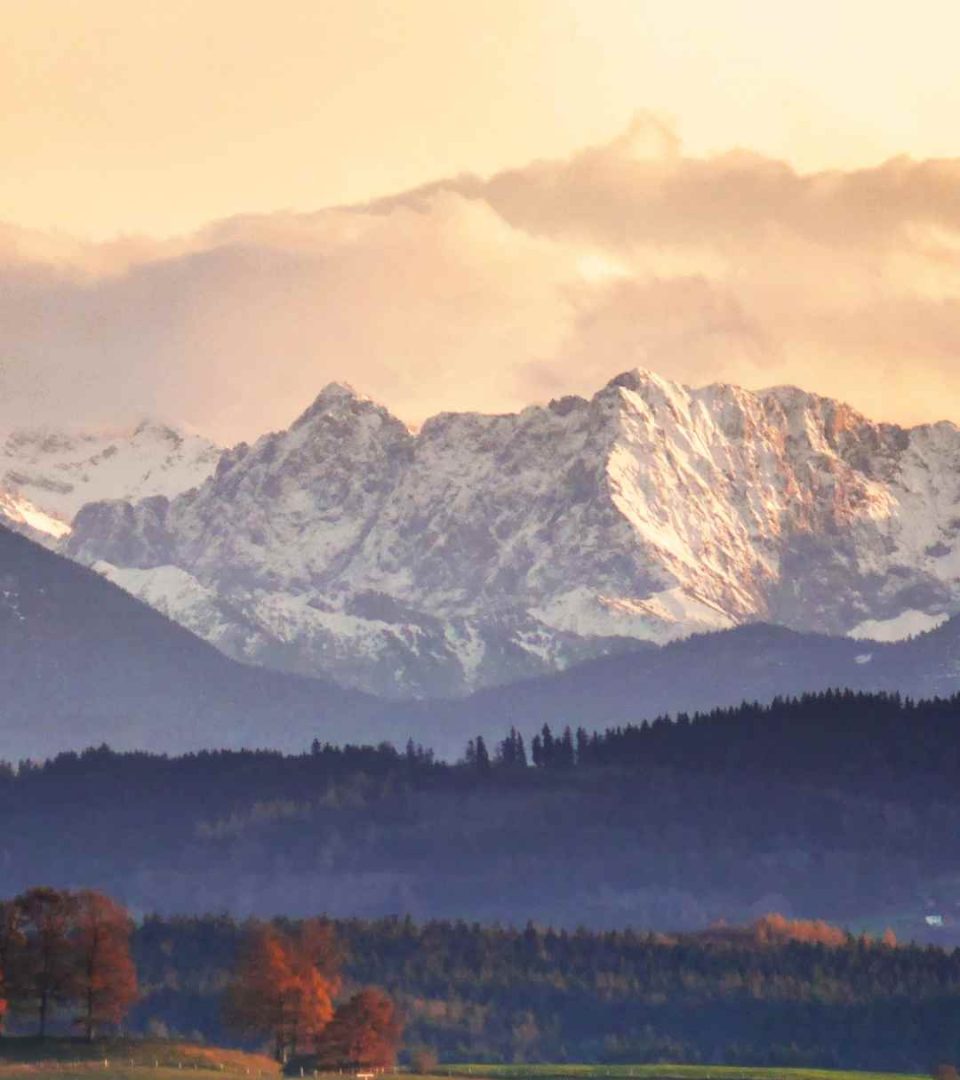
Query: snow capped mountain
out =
(46, 476)
(485, 548)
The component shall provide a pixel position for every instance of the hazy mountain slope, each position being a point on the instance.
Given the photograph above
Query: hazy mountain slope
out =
(488, 548)
(751, 663)
(82, 662)
(46, 476)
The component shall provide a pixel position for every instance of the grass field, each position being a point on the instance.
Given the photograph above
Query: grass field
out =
(126, 1059)
(74, 1059)
(658, 1072)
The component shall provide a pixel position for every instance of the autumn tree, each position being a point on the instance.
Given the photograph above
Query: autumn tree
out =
(47, 970)
(283, 986)
(364, 1032)
(11, 942)
(105, 980)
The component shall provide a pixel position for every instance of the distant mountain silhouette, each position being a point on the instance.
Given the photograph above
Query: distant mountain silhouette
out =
(757, 662)
(83, 662)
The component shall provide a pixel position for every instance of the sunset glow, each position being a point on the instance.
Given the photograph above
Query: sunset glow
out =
(739, 192)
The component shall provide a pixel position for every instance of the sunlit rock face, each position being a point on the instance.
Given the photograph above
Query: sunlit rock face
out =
(486, 548)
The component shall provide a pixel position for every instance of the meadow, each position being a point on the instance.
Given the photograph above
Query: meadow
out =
(660, 1072)
(126, 1059)
(161, 1059)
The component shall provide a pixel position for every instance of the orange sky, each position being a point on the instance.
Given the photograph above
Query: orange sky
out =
(158, 115)
(171, 243)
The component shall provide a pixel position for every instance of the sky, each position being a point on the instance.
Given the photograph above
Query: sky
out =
(210, 209)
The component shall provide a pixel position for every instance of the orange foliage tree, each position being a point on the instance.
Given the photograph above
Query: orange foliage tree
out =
(364, 1032)
(59, 947)
(776, 928)
(105, 978)
(283, 987)
(10, 941)
(46, 969)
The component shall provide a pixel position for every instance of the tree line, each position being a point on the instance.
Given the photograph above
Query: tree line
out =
(775, 992)
(66, 952)
(330, 993)
(862, 737)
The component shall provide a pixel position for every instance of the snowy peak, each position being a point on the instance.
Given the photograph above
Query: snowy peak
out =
(335, 399)
(488, 547)
(53, 473)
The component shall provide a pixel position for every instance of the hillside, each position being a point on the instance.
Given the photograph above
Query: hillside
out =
(82, 662)
(758, 662)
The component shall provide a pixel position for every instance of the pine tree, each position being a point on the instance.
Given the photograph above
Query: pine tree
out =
(564, 750)
(482, 756)
(520, 751)
(547, 747)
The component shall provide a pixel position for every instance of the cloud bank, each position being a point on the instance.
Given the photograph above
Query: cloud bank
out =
(491, 293)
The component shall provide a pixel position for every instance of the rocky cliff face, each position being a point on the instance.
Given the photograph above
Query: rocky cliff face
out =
(485, 548)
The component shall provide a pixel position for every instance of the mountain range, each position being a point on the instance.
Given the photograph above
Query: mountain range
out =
(480, 550)
(82, 663)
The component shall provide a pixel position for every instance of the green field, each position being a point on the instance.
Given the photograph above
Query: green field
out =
(73, 1059)
(658, 1072)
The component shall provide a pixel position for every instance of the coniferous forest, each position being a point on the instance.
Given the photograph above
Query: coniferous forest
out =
(838, 806)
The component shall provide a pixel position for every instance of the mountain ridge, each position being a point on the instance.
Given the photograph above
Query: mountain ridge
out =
(46, 475)
(486, 548)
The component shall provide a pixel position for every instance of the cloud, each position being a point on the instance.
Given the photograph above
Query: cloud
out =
(490, 293)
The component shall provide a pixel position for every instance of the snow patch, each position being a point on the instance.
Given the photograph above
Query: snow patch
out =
(660, 617)
(905, 625)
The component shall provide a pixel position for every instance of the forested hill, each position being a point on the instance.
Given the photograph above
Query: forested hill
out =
(840, 806)
(777, 993)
